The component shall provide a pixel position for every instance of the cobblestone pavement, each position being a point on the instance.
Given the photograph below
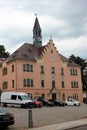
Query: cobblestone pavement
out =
(46, 115)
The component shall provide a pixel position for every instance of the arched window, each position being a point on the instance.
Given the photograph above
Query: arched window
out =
(75, 96)
(63, 96)
(43, 95)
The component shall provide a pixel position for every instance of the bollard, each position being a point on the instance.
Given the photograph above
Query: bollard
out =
(30, 119)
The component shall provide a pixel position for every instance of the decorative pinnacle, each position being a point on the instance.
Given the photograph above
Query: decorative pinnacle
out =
(51, 40)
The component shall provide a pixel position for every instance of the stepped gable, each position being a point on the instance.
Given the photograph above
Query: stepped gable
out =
(41, 49)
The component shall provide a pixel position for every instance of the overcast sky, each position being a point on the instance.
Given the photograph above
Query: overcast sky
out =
(64, 20)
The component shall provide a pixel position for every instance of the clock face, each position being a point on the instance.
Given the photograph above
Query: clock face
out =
(39, 38)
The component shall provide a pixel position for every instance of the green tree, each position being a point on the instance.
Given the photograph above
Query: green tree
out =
(3, 53)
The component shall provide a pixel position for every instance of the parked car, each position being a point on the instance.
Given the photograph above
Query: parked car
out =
(6, 118)
(72, 102)
(37, 103)
(46, 102)
(57, 102)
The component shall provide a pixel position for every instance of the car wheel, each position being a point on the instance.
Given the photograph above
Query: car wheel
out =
(74, 104)
(6, 126)
(39, 106)
(35, 106)
(5, 105)
(22, 106)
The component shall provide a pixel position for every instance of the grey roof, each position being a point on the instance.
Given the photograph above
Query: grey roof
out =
(69, 62)
(26, 51)
(63, 58)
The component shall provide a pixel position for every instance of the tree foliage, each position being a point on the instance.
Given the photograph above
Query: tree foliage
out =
(3, 53)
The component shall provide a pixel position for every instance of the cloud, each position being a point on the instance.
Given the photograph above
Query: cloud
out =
(76, 46)
(64, 20)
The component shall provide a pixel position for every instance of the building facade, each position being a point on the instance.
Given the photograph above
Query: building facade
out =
(41, 71)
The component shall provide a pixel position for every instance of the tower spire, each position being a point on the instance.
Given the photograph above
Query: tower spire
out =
(37, 37)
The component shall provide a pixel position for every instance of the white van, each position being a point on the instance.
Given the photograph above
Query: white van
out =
(16, 98)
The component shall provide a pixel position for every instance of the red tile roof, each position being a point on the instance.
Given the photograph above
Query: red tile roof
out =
(41, 49)
(26, 52)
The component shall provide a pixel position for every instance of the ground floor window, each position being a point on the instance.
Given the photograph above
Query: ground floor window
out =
(5, 85)
(54, 96)
(43, 96)
(63, 96)
(75, 96)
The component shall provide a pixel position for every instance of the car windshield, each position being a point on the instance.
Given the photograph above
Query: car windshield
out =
(2, 110)
(73, 99)
(46, 100)
(57, 100)
(25, 97)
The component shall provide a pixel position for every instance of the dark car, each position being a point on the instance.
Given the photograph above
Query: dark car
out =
(6, 118)
(46, 102)
(37, 103)
(57, 102)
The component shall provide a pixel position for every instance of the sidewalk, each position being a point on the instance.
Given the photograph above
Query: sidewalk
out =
(63, 126)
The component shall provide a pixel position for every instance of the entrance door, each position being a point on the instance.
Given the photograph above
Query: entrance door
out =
(53, 95)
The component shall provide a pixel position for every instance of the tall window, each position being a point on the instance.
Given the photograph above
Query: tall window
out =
(12, 83)
(53, 83)
(42, 69)
(75, 96)
(62, 71)
(63, 96)
(74, 84)
(73, 71)
(31, 83)
(12, 68)
(53, 70)
(43, 96)
(4, 71)
(5, 85)
(42, 83)
(28, 82)
(62, 82)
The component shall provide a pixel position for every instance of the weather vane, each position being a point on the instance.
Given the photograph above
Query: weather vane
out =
(50, 37)
(35, 14)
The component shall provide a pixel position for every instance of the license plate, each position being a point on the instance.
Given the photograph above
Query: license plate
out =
(5, 118)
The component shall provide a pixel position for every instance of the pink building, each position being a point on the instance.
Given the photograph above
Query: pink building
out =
(41, 71)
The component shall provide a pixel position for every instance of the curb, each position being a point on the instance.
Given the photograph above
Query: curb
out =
(63, 126)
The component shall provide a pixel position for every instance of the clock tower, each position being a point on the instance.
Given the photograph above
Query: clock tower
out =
(37, 37)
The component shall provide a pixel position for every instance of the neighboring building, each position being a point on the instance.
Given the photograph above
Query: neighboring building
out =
(85, 82)
(41, 71)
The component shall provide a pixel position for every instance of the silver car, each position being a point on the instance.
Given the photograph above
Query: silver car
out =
(72, 102)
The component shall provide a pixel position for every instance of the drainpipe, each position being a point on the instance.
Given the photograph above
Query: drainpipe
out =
(16, 75)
